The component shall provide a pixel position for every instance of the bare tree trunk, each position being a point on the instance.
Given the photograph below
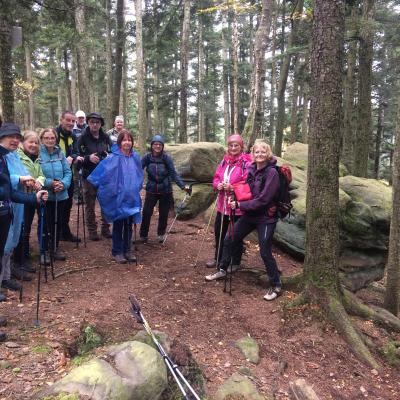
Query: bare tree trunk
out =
(253, 122)
(60, 87)
(124, 87)
(7, 81)
(379, 135)
(273, 79)
(119, 48)
(392, 295)
(67, 80)
(364, 122)
(225, 77)
(201, 89)
(235, 73)
(183, 136)
(31, 105)
(295, 99)
(74, 95)
(304, 117)
(140, 77)
(109, 79)
(82, 56)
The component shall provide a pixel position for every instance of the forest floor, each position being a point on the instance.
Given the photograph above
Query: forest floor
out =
(294, 343)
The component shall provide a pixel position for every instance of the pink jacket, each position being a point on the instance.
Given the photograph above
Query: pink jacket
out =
(230, 170)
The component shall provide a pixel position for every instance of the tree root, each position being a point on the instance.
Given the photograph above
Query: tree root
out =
(294, 282)
(376, 314)
(340, 319)
(72, 271)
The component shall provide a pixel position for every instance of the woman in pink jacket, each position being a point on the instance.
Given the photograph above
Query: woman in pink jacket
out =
(232, 169)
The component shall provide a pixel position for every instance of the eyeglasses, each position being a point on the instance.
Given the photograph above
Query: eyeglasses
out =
(91, 121)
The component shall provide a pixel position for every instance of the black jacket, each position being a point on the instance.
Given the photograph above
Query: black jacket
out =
(87, 145)
(66, 142)
(7, 193)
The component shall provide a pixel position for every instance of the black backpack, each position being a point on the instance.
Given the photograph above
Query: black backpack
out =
(283, 201)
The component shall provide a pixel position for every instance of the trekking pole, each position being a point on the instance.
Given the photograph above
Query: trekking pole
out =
(42, 256)
(135, 248)
(205, 233)
(173, 368)
(77, 220)
(22, 250)
(178, 211)
(231, 234)
(220, 230)
(81, 199)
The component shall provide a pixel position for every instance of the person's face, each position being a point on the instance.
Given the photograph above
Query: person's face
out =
(234, 148)
(31, 145)
(67, 122)
(49, 140)
(157, 147)
(10, 142)
(126, 144)
(81, 120)
(260, 155)
(94, 125)
(119, 125)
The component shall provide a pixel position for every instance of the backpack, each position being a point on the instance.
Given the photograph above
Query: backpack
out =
(283, 202)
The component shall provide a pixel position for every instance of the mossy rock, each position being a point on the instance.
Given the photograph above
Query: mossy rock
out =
(249, 348)
(238, 387)
(143, 337)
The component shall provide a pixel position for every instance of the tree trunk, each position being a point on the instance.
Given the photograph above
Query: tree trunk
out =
(322, 221)
(253, 122)
(7, 81)
(82, 57)
(124, 87)
(378, 138)
(74, 94)
(273, 80)
(67, 81)
(60, 87)
(235, 73)
(364, 123)
(119, 49)
(140, 77)
(201, 88)
(31, 105)
(183, 136)
(283, 76)
(392, 295)
(295, 99)
(225, 78)
(109, 64)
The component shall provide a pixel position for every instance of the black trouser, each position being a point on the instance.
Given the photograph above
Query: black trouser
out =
(22, 251)
(217, 233)
(5, 222)
(65, 229)
(164, 204)
(52, 228)
(265, 231)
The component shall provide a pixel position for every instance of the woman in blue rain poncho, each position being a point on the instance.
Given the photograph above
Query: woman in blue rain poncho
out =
(119, 179)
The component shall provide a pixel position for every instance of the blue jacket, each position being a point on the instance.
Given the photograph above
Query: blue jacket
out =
(119, 179)
(55, 166)
(8, 193)
(160, 173)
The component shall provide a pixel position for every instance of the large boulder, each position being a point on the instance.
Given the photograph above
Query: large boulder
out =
(196, 161)
(365, 206)
(129, 371)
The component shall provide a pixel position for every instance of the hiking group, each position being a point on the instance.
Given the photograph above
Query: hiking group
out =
(79, 161)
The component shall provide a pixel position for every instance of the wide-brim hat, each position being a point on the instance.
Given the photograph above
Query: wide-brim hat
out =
(9, 129)
(95, 115)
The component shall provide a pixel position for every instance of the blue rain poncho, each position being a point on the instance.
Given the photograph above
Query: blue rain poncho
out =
(119, 180)
(17, 169)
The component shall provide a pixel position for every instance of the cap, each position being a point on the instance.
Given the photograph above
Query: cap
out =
(236, 138)
(95, 115)
(8, 129)
(79, 114)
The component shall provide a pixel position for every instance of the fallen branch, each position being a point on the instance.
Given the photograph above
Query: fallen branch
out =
(71, 271)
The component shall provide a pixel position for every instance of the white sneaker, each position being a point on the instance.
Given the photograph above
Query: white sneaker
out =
(233, 268)
(161, 238)
(218, 275)
(273, 293)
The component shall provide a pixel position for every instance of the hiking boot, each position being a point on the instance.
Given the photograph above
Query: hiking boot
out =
(59, 255)
(27, 266)
(120, 259)
(161, 238)
(211, 264)
(105, 232)
(3, 337)
(10, 284)
(130, 257)
(70, 237)
(3, 297)
(3, 321)
(143, 239)
(273, 293)
(233, 268)
(94, 236)
(19, 274)
(45, 259)
(218, 275)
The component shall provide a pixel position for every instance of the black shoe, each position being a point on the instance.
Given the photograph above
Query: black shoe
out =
(11, 285)
(70, 238)
(3, 321)
(59, 255)
(106, 234)
(3, 337)
(94, 236)
(19, 274)
(130, 257)
(2, 297)
(28, 268)
(45, 259)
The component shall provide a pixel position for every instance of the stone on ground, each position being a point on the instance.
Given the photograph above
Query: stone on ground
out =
(249, 348)
(238, 387)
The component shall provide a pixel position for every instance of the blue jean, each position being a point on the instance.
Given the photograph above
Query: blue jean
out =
(232, 246)
(122, 236)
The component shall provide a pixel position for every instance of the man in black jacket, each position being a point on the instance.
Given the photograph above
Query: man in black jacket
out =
(94, 145)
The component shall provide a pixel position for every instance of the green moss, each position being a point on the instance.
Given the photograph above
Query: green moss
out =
(315, 214)
(89, 340)
(79, 360)
(391, 352)
(63, 396)
(41, 349)
(322, 173)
